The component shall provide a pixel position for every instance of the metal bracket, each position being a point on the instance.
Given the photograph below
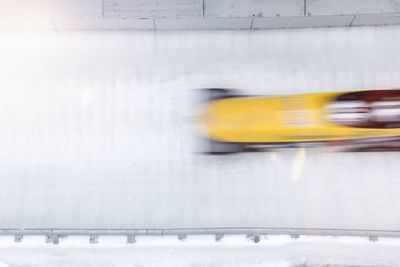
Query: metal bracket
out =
(130, 239)
(182, 237)
(218, 237)
(94, 239)
(18, 238)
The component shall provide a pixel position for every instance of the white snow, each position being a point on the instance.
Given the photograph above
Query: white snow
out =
(203, 251)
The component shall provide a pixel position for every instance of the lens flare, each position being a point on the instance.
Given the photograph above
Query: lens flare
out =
(298, 164)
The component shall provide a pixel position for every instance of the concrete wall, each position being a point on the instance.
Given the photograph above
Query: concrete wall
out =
(194, 14)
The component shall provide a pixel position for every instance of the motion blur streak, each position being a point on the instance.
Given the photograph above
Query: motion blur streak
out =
(298, 164)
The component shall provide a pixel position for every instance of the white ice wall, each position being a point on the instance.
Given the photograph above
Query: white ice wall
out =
(139, 9)
(251, 8)
(194, 14)
(342, 7)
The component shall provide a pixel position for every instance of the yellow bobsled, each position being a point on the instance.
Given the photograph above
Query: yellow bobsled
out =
(234, 121)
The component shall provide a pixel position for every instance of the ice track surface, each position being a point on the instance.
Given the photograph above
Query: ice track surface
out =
(95, 130)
